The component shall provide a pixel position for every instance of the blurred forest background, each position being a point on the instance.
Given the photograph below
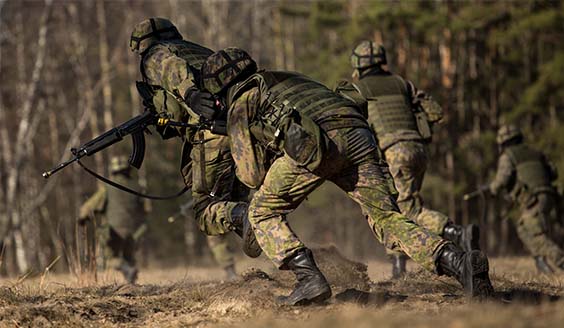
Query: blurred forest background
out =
(67, 75)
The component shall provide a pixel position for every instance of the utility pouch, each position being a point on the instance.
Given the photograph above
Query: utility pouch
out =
(431, 108)
(423, 126)
(304, 142)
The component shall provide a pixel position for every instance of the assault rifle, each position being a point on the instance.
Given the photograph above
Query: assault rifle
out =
(135, 127)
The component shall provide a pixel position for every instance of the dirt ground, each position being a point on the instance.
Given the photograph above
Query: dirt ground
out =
(364, 296)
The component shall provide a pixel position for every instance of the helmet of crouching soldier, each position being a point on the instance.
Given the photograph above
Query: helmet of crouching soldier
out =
(225, 68)
(367, 54)
(151, 31)
(508, 132)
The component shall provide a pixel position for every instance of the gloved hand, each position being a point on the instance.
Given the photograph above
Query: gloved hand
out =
(201, 102)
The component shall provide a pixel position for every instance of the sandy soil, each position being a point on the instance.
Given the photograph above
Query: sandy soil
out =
(364, 296)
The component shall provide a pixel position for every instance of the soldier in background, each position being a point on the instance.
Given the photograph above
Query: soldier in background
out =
(121, 223)
(401, 117)
(527, 176)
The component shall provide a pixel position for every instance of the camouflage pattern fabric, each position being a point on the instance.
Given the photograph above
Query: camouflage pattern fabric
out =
(408, 162)
(115, 224)
(121, 249)
(221, 251)
(532, 225)
(351, 162)
(215, 190)
(532, 228)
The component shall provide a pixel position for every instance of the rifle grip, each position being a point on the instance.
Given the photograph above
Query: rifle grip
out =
(138, 154)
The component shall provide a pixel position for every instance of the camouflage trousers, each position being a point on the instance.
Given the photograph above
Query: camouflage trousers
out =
(218, 195)
(113, 249)
(221, 250)
(352, 163)
(408, 161)
(532, 228)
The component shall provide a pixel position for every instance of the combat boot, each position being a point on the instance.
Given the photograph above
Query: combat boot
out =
(312, 287)
(242, 227)
(230, 273)
(467, 238)
(469, 268)
(129, 272)
(398, 266)
(542, 265)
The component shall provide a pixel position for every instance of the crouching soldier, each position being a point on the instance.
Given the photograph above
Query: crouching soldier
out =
(317, 136)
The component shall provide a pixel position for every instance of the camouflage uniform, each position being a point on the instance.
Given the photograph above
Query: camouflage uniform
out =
(400, 116)
(288, 134)
(124, 221)
(527, 176)
(351, 161)
(168, 65)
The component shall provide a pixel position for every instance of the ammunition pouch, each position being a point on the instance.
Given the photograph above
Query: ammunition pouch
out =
(431, 108)
(304, 142)
(423, 126)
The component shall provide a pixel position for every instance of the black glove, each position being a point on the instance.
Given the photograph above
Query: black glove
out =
(201, 102)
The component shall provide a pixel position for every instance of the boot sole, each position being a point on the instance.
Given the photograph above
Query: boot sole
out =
(472, 238)
(478, 284)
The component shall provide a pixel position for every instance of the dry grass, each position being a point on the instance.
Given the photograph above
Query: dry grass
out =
(197, 297)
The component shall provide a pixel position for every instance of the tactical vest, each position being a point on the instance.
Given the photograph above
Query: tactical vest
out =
(389, 109)
(292, 112)
(124, 210)
(281, 92)
(531, 171)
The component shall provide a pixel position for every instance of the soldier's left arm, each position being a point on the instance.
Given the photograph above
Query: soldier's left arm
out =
(504, 174)
(243, 133)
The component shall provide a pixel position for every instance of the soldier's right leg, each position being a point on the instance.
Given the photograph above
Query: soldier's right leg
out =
(532, 233)
(366, 185)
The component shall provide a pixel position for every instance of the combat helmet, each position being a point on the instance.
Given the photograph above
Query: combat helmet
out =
(225, 67)
(150, 31)
(508, 132)
(367, 54)
(119, 164)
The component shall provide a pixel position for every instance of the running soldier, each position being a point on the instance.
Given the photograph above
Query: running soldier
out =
(401, 117)
(527, 176)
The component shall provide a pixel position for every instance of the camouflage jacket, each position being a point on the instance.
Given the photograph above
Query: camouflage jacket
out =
(519, 178)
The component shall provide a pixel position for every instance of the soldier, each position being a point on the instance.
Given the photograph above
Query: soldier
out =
(400, 116)
(527, 176)
(311, 134)
(124, 223)
(169, 65)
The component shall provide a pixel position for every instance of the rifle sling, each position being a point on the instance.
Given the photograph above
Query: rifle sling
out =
(131, 191)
